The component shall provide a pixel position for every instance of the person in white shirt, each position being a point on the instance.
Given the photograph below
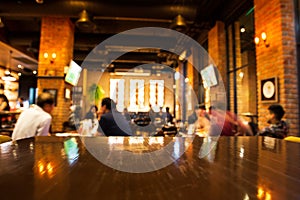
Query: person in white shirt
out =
(36, 120)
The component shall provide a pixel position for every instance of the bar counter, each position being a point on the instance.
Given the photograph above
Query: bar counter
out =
(202, 168)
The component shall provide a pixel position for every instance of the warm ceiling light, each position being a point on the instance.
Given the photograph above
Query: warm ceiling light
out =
(9, 78)
(34, 72)
(40, 1)
(7, 72)
(179, 24)
(84, 22)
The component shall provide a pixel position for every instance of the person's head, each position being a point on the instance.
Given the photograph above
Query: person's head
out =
(200, 109)
(3, 98)
(93, 109)
(276, 112)
(20, 99)
(46, 101)
(107, 104)
(212, 110)
(167, 109)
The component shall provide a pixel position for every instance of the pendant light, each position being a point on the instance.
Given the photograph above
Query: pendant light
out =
(8, 76)
(179, 24)
(84, 23)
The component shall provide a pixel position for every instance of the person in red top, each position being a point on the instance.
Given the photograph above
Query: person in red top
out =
(226, 123)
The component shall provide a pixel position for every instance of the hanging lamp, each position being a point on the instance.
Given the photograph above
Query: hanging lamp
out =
(84, 23)
(179, 23)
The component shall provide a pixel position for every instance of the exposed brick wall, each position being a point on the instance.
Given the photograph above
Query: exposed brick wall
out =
(217, 48)
(217, 52)
(276, 18)
(57, 36)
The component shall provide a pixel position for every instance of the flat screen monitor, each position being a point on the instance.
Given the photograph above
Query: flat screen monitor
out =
(209, 77)
(73, 73)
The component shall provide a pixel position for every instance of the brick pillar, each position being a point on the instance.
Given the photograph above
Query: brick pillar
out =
(217, 52)
(217, 48)
(276, 18)
(57, 36)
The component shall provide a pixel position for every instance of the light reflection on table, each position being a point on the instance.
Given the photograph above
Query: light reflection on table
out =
(210, 168)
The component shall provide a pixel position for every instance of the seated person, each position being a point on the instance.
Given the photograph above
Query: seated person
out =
(4, 103)
(200, 109)
(193, 117)
(278, 128)
(36, 120)
(112, 122)
(92, 112)
(169, 117)
(203, 120)
(73, 119)
(224, 123)
(89, 125)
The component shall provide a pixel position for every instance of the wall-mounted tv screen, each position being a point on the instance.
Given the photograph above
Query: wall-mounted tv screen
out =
(209, 77)
(73, 73)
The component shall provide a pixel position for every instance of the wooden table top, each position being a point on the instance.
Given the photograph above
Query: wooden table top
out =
(235, 168)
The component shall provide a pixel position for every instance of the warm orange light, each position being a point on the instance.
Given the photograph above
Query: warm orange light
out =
(268, 196)
(256, 40)
(46, 55)
(49, 168)
(260, 193)
(41, 168)
(53, 55)
(263, 36)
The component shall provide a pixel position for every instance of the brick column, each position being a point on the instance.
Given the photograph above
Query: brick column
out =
(276, 18)
(217, 52)
(217, 48)
(57, 36)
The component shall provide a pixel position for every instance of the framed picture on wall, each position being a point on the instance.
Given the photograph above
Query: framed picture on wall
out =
(269, 90)
(53, 92)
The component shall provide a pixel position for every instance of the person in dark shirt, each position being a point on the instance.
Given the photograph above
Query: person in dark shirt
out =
(168, 115)
(278, 128)
(112, 122)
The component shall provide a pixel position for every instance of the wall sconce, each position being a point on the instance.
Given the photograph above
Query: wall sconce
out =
(263, 38)
(52, 58)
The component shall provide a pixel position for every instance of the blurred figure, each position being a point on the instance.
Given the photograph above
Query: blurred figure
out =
(89, 125)
(152, 114)
(226, 123)
(203, 120)
(73, 119)
(36, 120)
(278, 128)
(22, 104)
(193, 117)
(93, 112)
(4, 103)
(168, 116)
(126, 114)
(112, 122)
